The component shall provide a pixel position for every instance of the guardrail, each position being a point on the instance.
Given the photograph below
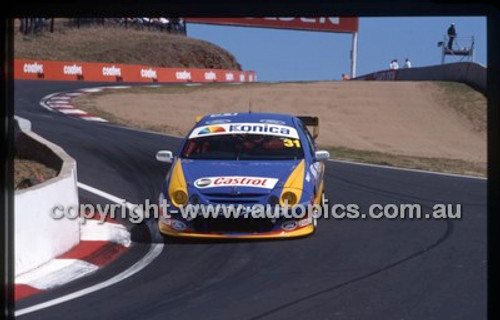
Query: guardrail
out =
(472, 74)
(117, 72)
(38, 236)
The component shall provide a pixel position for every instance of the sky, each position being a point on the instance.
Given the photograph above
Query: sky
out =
(293, 55)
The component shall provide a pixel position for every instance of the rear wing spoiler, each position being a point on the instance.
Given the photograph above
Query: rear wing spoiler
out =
(311, 122)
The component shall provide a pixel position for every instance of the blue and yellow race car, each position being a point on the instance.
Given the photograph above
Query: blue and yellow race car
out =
(238, 162)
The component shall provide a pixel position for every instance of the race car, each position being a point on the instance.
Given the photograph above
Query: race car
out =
(243, 161)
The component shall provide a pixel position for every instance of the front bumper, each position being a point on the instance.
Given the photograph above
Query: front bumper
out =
(279, 234)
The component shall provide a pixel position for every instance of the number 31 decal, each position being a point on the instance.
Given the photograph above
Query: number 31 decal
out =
(290, 143)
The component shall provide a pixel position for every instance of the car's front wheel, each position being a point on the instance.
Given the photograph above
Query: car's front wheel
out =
(314, 218)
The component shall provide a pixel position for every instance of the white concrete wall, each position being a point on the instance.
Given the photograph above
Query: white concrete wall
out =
(38, 236)
(469, 73)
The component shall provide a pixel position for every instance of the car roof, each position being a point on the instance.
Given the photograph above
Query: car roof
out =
(246, 117)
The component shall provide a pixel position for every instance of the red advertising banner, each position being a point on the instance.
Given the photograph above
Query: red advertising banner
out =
(116, 72)
(325, 24)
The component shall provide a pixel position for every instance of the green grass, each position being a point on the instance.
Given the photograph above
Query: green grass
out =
(413, 162)
(467, 102)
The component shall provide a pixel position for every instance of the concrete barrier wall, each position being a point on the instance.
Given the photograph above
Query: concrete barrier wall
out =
(39, 237)
(472, 74)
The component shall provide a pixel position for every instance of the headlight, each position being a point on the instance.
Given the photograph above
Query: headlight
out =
(288, 197)
(194, 199)
(273, 200)
(179, 198)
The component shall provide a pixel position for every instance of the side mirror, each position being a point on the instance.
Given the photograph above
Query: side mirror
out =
(321, 155)
(165, 156)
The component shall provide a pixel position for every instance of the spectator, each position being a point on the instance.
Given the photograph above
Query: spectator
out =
(176, 25)
(396, 65)
(407, 64)
(164, 22)
(345, 77)
(391, 64)
(182, 25)
(451, 35)
(155, 22)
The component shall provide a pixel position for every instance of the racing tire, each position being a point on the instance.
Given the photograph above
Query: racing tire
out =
(314, 219)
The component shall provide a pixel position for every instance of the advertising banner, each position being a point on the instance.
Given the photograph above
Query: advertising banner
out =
(117, 72)
(325, 24)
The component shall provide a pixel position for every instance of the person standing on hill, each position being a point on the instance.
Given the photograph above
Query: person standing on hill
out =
(452, 33)
(407, 64)
(395, 64)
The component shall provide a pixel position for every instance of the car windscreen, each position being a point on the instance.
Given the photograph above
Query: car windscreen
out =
(243, 147)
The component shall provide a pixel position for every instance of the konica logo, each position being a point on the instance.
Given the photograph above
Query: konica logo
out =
(257, 128)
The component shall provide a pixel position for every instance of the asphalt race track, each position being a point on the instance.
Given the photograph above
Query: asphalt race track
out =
(349, 269)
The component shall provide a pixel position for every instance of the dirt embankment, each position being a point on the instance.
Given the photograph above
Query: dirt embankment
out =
(28, 173)
(119, 45)
(441, 121)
